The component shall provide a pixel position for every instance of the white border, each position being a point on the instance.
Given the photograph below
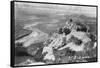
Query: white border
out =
(5, 33)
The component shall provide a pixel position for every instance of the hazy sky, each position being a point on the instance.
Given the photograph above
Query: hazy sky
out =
(49, 14)
(54, 9)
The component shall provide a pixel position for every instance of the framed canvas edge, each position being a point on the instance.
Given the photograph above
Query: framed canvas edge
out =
(12, 35)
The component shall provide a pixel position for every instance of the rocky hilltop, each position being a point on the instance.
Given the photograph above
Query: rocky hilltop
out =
(71, 43)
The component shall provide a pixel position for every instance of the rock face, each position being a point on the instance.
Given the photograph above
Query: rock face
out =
(71, 43)
(76, 40)
(35, 48)
(29, 43)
